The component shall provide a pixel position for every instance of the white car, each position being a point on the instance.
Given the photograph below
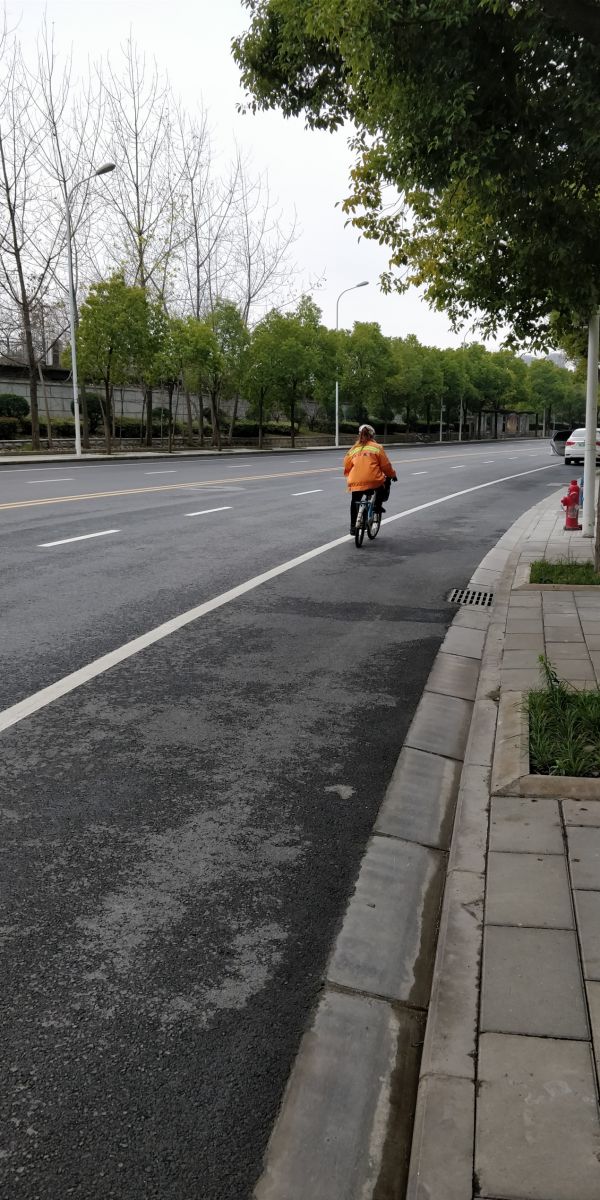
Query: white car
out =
(575, 447)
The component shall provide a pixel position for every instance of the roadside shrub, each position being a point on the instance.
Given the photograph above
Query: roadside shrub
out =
(12, 405)
(94, 410)
(9, 427)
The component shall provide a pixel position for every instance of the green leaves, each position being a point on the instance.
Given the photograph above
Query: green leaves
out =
(482, 115)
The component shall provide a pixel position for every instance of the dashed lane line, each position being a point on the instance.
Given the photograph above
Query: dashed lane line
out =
(204, 512)
(83, 537)
(25, 708)
(312, 492)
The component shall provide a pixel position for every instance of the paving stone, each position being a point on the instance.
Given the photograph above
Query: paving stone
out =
(441, 1165)
(562, 620)
(386, 944)
(441, 725)
(525, 825)
(581, 812)
(528, 890)
(584, 855)
(525, 600)
(341, 1122)
(467, 642)
(517, 659)
(520, 680)
(573, 651)
(451, 1037)
(531, 983)
(537, 1122)
(522, 625)
(569, 670)
(524, 641)
(556, 633)
(421, 798)
(454, 675)
(587, 912)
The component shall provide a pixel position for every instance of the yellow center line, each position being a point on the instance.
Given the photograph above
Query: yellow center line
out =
(164, 487)
(208, 483)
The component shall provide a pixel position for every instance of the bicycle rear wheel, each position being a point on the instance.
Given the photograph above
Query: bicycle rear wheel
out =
(373, 525)
(361, 521)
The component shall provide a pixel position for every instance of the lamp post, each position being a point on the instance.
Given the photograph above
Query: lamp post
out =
(337, 384)
(103, 170)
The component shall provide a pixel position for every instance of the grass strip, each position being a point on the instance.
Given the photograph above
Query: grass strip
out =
(564, 571)
(564, 728)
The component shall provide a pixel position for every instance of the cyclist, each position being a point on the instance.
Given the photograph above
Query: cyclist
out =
(368, 469)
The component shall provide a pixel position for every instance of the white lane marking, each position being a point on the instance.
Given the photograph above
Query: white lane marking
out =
(169, 472)
(458, 467)
(310, 493)
(418, 472)
(25, 708)
(204, 511)
(486, 461)
(63, 479)
(83, 537)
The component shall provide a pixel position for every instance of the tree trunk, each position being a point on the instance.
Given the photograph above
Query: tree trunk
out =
(428, 417)
(85, 421)
(148, 397)
(214, 419)
(293, 418)
(201, 419)
(408, 418)
(170, 389)
(233, 419)
(260, 419)
(33, 406)
(46, 408)
(190, 419)
(107, 416)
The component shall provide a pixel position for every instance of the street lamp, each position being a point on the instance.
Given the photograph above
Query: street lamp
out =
(103, 170)
(364, 283)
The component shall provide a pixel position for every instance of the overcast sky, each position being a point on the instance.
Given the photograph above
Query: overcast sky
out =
(308, 172)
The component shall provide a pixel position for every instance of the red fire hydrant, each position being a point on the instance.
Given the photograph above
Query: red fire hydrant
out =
(570, 503)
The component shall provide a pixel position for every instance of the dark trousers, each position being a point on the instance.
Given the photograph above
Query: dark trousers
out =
(381, 494)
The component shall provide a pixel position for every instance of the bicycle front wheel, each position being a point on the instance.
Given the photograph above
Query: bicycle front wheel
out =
(359, 534)
(374, 525)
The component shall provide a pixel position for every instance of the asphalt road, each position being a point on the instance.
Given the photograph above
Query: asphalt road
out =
(180, 833)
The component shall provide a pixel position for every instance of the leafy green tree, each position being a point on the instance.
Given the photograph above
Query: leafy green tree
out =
(408, 358)
(368, 370)
(12, 405)
(481, 116)
(223, 366)
(112, 339)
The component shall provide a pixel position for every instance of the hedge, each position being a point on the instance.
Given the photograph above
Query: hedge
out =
(9, 427)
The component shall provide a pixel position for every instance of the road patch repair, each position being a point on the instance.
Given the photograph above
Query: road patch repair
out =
(433, 1070)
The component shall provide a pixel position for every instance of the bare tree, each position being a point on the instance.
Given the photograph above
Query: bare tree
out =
(30, 241)
(261, 246)
(206, 205)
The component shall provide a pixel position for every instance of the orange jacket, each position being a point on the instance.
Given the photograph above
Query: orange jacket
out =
(367, 466)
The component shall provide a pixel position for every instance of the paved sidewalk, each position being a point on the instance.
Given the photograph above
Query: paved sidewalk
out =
(508, 1094)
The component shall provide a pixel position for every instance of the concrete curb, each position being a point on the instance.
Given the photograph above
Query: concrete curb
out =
(442, 1158)
(345, 1132)
(358, 1099)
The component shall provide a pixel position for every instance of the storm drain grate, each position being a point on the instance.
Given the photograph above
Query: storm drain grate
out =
(471, 596)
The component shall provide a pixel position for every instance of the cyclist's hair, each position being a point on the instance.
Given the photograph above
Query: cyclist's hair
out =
(365, 433)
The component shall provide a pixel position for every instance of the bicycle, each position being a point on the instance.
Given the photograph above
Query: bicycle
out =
(367, 517)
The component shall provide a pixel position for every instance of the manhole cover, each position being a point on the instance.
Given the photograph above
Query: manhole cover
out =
(471, 596)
